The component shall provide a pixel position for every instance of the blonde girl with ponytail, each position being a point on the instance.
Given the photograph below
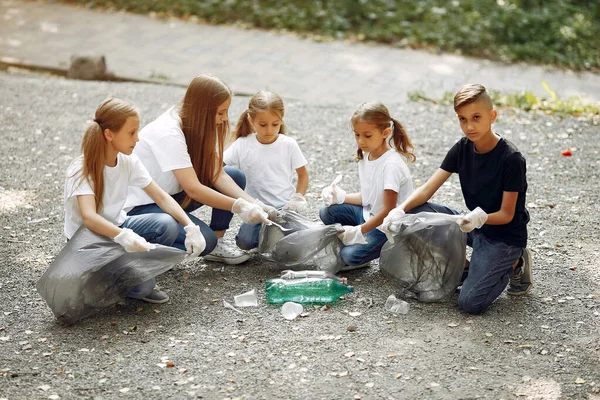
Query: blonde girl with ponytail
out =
(269, 159)
(385, 182)
(97, 185)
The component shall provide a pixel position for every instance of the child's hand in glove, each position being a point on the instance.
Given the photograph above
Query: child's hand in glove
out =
(194, 241)
(352, 235)
(132, 242)
(474, 219)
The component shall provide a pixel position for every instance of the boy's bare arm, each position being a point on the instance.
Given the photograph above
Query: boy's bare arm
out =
(507, 210)
(423, 193)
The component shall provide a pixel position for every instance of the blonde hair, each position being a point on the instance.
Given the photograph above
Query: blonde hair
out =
(472, 93)
(263, 101)
(111, 114)
(205, 140)
(377, 114)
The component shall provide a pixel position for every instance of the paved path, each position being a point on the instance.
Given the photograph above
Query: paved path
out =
(46, 34)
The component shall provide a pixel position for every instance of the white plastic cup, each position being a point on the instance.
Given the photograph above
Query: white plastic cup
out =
(247, 299)
(291, 310)
(396, 306)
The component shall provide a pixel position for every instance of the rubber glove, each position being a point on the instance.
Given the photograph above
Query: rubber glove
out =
(391, 223)
(194, 241)
(250, 213)
(352, 235)
(132, 242)
(270, 210)
(473, 220)
(333, 194)
(297, 203)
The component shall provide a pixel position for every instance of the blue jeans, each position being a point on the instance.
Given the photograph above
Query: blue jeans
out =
(489, 270)
(247, 237)
(155, 228)
(220, 219)
(348, 214)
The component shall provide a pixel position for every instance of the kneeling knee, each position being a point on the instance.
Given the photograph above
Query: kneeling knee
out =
(468, 306)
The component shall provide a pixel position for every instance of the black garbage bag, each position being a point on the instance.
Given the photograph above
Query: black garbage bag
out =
(92, 272)
(307, 244)
(427, 258)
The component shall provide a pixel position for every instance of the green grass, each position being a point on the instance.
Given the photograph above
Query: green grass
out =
(557, 32)
(553, 104)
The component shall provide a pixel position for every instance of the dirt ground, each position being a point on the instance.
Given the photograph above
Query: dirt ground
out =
(542, 346)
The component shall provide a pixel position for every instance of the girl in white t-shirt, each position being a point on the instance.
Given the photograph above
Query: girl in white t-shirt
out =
(183, 151)
(269, 159)
(385, 182)
(97, 185)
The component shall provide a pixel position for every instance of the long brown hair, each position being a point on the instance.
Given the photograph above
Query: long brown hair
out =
(262, 101)
(111, 114)
(205, 140)
(377, 114)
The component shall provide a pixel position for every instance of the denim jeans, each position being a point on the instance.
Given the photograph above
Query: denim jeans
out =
(348, 214)
(220, 219)
(247, 237)
(489, 270)
(155, 228)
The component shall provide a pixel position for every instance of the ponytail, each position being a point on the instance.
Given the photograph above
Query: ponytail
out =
(401, 142)
(93, 147)
(243, 127)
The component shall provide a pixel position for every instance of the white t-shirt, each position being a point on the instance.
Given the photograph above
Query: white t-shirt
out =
(162, 149)
(129, 171)
(269, 168)
(387, 172)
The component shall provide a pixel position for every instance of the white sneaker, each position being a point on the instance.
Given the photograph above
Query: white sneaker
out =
(226, 254)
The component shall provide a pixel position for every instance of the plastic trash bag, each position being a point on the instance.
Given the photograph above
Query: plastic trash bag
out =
(307, 244)
(92, 272)
(427, 258)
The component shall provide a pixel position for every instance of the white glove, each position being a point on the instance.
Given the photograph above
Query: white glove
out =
(391, 223)
(474, 219)
(194, 241)
(333, 194)
(297, 203)
(270, 210)
(352, 235)
(250, 213)
(132, 242)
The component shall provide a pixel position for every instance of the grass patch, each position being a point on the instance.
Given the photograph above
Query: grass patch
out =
(553, 104)
(558, 32)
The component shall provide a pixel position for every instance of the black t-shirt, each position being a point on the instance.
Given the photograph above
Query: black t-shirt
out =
(484, 178)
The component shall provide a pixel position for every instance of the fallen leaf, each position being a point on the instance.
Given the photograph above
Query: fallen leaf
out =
(170, 364)
(156, 310)
(453, 324)
(325, 307)
(349, 354)
(566, 153)
(579, 381)
(186, 275)
(139, 309)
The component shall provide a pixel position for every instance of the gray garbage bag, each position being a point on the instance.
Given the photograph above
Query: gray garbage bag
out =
(427, 258)
(307, 244)
(92, 272)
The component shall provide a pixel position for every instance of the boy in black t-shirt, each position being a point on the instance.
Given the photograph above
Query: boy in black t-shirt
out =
(492, 175)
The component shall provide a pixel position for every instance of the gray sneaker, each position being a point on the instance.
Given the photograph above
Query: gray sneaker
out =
(156, 297)
(522, 280)
(353, 267)
(227, 254)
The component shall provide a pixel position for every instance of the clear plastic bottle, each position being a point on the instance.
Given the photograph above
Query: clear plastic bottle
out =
(289, 274)
(305, 290)
(396, 306)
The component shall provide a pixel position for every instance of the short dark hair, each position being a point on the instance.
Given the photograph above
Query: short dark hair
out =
(471, 93)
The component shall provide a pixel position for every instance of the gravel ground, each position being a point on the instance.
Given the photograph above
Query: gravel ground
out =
(545, 345)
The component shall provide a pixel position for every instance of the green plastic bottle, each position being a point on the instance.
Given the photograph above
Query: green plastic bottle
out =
(305, 290)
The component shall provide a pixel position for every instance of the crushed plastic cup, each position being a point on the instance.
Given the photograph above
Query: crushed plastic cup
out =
(247, 299)
(291, 310)
(396, 306)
